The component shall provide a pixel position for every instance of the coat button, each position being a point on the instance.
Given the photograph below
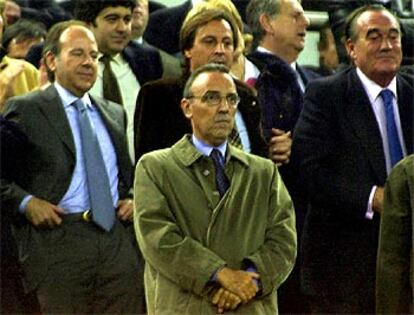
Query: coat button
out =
(206, 172)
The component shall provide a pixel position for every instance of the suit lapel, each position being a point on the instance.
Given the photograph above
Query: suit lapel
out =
(52, 109)
(362, 119)
(117, 134)
(406, 109)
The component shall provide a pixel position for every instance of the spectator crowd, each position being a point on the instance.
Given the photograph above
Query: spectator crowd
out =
(179, 160)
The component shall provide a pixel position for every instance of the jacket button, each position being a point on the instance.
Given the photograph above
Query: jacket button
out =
(206, 172)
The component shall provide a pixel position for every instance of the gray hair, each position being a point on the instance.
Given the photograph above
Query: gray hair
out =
(254, 10)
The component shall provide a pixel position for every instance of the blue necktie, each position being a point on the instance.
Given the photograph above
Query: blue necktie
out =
(394, 144)
(103, 212)
(222, 182)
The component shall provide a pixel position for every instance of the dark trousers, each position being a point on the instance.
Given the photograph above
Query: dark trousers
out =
(89, 270)
(352, 304)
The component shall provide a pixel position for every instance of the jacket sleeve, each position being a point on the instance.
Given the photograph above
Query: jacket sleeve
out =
(179, 258)
(14, 143)
(393, 267)
(276, 257)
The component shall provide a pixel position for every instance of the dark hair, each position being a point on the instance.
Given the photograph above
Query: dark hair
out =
(209, 67)
(351, 20)
(88, 10)
(194, 21)
(254, 9)
(52, 42)
(21, 30)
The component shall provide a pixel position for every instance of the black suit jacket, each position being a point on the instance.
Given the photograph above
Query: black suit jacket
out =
(145, 62)
(159, 121)
(338, 143)
(48, 163)
(163, 29)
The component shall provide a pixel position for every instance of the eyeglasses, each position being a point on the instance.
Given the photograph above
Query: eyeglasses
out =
(212, 98)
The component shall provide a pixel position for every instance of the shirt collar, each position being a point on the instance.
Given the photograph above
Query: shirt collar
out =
(68, 98)
(373, 89)
(206, 149)
(116, 58)
(264, 50)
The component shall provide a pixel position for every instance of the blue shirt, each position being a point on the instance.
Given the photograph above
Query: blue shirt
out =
(76, 198)
(206, 149)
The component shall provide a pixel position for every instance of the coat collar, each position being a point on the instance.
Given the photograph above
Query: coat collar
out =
(188, 154)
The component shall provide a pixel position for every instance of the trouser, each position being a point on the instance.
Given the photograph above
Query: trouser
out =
(89, 270)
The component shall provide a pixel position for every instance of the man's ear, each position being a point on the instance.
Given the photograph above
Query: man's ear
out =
(50, 61)
(187, 108)
(350, 49)
(187, 53)
(265, 23)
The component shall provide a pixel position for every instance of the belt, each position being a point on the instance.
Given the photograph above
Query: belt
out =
(84, 216)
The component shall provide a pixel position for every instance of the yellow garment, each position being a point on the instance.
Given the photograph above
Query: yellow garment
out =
(26, 81)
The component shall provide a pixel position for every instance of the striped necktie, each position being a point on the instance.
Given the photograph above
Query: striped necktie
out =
(222, 182)
(234, 138)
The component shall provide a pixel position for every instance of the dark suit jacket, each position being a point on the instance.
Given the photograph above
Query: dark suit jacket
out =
(339, 145)
(159, 121)
(281, 100)
(163, 29)
(145, 62)
(48, 164)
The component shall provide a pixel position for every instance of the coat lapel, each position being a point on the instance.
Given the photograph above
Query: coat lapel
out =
(116, 130)
(362, 119)
(52, 109)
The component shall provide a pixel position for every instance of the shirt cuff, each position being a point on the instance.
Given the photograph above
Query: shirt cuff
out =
(370, 212)
(213, 277)
(23, 204)
(256, 281)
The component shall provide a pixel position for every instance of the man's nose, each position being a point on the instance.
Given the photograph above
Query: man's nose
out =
(220, 48)
(386, 43)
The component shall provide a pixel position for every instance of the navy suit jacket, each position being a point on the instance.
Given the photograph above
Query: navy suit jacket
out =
(338, 143)
(163, 29)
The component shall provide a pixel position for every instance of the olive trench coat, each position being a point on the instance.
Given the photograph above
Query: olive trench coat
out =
(187, 232)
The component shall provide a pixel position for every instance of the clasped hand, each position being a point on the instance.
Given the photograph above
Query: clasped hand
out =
(238, 286)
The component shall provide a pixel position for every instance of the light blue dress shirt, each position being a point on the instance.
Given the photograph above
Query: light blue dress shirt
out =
(206, 149)
(76, 199)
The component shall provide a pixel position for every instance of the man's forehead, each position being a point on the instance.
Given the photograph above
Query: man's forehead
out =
(381, 20)
(214, 81)
(118, 10)
(76, 31)
(214, 25)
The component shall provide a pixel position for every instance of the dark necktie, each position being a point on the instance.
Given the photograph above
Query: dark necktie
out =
(222, 182)
(234, 138)
(394, 144)
(111, 89)
(103, 212)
